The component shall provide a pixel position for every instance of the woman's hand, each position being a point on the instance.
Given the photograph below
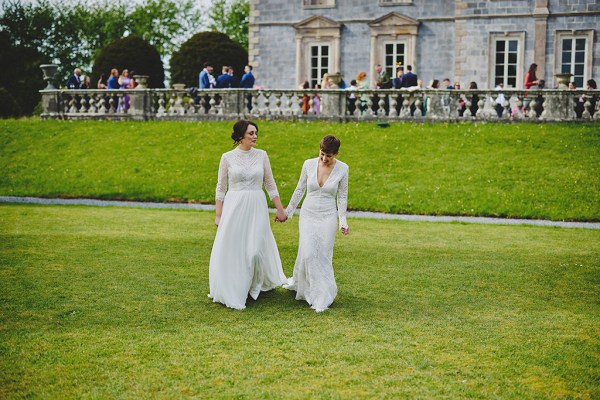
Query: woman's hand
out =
(281, 216)
(345, 230)
(217, 220)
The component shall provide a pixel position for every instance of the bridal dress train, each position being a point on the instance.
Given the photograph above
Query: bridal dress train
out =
(313, 278)
(244, 259)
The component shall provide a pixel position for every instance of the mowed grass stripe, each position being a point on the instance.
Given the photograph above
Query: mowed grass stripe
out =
(547, 171)
(111, 302)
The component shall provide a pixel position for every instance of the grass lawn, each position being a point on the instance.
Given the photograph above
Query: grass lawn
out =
(549, 171)
(111, 303)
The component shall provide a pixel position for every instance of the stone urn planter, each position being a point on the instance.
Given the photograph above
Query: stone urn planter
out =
(179, 86)
(563, 80)
(142, 81)
(49, 71)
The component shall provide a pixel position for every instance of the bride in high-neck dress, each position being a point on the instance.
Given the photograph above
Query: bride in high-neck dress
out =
(244, 259)
(325, 181)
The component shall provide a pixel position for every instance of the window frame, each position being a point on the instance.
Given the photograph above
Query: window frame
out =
(588, 35)
(331, 4)
(404, 41)
(323, 69)
(520, 66)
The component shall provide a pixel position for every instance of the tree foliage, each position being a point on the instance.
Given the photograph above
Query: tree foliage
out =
(72, 33)
(213, 47)
(231, 19)
(20, 78)
(135, 54)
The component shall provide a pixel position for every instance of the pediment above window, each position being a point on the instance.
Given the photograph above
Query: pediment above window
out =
(317, 26)
(318, 22)
(394, 23)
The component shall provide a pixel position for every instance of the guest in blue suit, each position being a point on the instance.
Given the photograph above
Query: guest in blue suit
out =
(224, 80)
(74, 81)
(247, 82)
(204, 78)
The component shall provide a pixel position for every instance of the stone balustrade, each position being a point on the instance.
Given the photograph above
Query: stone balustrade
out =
(338, 105)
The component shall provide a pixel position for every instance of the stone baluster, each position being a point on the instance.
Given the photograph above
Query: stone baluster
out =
(161, 105)
(480, 105)
(506, 111)
(405, 110)
(93, 108)
(85, 104)
(300, 101)
(418, 114)
(267, 103)
(518, 114)
(289, 104)
(73, 105)
(370, 105)
(587, 111)
(213, 105)
(277, 110)
(393, 104)
(532, 113)
(381, 105)
(467, 114)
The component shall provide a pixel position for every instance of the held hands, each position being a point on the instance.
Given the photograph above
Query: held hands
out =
(345, 230)
(281, 216)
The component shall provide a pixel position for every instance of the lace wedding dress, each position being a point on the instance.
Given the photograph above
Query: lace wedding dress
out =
(244, 259)
(313, 278)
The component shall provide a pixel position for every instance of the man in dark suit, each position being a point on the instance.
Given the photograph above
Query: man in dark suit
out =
(224, 80)
(409, 79)
(247, 82)
(74, 81)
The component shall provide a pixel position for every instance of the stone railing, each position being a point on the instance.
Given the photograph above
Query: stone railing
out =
(339, 105)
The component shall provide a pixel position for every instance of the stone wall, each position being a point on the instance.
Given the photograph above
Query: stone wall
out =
(453, 36)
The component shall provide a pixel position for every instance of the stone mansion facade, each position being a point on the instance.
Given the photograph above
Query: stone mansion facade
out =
(485, 41)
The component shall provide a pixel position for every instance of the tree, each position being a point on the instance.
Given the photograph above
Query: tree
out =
(72, 32)
(231, 20)
(214, 47)
(20, 81)
(135, 54)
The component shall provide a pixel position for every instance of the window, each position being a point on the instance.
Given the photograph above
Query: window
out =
(319, 3)
(573, 58)
(506, 60)
(319, 63)
(394, 57)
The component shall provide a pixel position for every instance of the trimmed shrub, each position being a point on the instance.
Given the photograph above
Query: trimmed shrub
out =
(132, 53)
(214, 47)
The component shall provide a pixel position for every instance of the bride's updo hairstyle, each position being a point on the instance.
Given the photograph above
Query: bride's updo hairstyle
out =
(330, 144)
(239, 130)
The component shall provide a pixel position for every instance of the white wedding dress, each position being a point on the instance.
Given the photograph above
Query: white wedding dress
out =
(244, 259)
(313, 278)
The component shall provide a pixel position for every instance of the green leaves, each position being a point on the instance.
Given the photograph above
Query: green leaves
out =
(231, 20)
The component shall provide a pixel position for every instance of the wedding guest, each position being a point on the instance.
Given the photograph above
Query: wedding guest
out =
(244, 260)
(247, 82)
(74, 81)
(362, 84)
(325, 181)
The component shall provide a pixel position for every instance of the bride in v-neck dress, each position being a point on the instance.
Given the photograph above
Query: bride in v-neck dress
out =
(325, 181)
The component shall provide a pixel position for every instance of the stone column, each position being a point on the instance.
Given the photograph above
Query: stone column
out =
(140, 104)
(332, 104)
(540, 14)
(50, 104)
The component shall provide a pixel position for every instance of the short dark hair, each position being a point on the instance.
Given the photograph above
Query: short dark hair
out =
(249, 66)
(592, 84)
(239, 130)
(206, 64)
(409, 67)
(330, 144)
(353, 82)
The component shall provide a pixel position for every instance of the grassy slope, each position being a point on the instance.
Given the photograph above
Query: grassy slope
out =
(107, 302)
(547, 171)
